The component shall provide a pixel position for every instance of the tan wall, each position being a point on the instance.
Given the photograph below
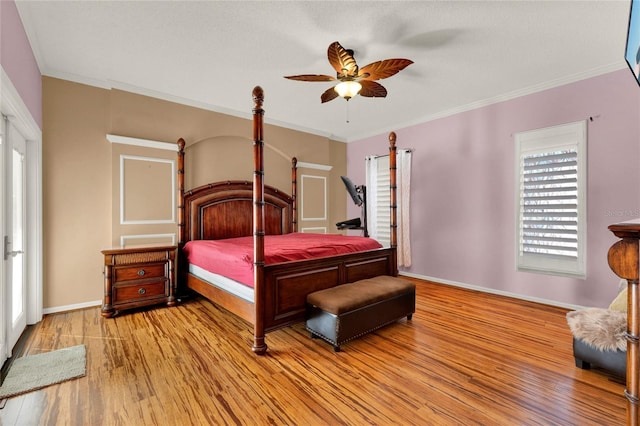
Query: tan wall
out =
(81, 173)
(76, 174)
(337, 193)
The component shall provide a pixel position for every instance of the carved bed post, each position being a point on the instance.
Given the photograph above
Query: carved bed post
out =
(259, 345)
(624, 260)
(394, 206)
(180, 177)
(294, 195)
(181, 276)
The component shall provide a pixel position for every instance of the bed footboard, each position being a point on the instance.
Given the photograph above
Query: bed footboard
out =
(288, 284)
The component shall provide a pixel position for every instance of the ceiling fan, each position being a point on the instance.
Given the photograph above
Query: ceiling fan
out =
(352, 79)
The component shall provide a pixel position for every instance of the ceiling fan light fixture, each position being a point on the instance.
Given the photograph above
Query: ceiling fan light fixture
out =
(348, 89)
(352, 80)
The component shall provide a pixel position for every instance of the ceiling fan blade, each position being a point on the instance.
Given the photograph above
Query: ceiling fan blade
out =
(311, 77)
(383, 69)
(329, 95)
(342, 61)
(371, 89)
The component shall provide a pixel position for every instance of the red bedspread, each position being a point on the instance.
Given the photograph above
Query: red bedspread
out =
(233, 257)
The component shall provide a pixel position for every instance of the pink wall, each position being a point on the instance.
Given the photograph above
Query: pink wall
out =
(463, 201)
(18, 61)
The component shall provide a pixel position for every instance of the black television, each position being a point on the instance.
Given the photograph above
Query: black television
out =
(632, 51)
(352, 190)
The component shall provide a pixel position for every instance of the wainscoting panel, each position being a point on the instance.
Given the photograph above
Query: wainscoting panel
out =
(147, 190)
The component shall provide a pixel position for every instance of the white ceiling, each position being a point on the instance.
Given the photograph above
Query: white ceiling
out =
(211, 54)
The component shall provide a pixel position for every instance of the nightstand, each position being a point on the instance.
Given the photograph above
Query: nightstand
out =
(136, 277)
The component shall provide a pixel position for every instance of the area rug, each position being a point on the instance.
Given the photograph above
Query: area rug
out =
(33, 372)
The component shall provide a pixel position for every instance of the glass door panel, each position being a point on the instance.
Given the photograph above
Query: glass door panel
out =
(14, 239)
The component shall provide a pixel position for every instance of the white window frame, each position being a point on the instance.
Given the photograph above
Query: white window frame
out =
(567, 137)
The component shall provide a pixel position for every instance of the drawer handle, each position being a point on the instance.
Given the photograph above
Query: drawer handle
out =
(141, 273)
(142, 291)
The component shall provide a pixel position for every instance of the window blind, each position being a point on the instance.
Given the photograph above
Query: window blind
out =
(549, 203)
(383, 200)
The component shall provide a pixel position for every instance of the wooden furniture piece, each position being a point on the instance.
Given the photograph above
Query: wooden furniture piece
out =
(135, 277)
(623, 259)
(346, 312)
(237, 209)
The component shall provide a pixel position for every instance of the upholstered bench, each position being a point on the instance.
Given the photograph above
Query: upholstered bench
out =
(348, 311)
(585, 356)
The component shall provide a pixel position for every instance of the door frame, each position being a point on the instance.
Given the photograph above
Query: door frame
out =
(12, 105)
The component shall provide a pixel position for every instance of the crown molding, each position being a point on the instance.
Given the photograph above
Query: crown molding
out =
(595, 72)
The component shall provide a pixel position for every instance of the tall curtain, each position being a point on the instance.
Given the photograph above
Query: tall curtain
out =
(371, 182)
(403, 181)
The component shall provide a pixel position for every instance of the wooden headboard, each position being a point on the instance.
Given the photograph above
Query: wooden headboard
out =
(225, 210)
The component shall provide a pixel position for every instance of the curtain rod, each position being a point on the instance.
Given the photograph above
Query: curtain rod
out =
(386, 155)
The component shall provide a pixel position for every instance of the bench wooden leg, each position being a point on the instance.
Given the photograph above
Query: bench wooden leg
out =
(583, 364)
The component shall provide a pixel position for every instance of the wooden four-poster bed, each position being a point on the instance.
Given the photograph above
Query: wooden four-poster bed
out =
(266, 289)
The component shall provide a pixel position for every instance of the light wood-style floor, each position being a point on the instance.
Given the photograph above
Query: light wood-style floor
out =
(466, 358)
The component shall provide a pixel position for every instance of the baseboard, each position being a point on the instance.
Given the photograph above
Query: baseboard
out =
(73, 307)
(493, 291)
(408, 274)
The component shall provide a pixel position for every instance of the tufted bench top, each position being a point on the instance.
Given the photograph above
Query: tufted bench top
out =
(349, 297)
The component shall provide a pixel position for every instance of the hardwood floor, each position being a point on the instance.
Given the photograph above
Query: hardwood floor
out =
(466, 358)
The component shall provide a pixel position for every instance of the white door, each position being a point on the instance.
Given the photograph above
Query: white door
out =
(3, 297)
(14, 239)
(20, 186)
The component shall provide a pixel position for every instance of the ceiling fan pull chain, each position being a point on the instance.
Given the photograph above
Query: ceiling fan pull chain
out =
(347, 110)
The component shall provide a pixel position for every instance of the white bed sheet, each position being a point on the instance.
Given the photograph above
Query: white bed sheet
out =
(222, 282)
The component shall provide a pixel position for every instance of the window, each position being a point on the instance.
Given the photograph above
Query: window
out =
(551, 200)
(378, 182)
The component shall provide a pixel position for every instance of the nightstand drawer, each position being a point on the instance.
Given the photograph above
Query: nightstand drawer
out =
(138, 272)
(128, 293)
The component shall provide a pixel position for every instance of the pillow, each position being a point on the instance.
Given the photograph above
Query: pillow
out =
(620, 302)
(602, 329)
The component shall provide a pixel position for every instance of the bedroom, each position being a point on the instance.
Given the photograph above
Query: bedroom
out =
(78, 194)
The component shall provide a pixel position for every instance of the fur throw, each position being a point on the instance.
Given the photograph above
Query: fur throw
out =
(603, 329)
